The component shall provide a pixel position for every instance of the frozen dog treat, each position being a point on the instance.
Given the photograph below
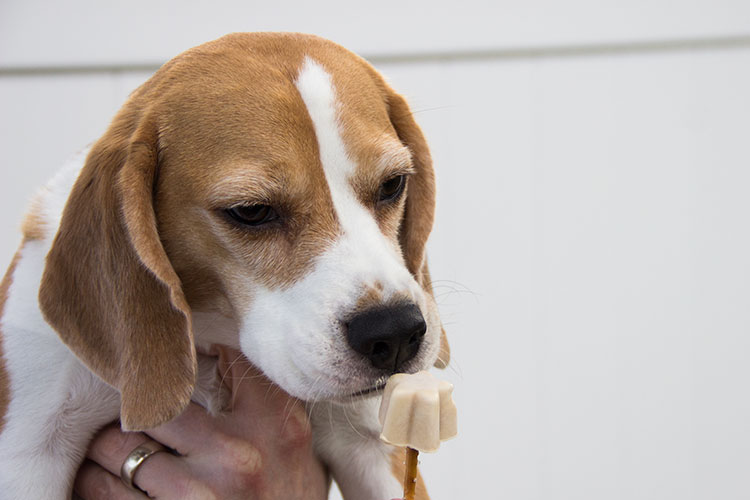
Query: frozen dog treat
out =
(418, 412)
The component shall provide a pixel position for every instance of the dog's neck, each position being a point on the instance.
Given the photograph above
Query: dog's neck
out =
(212, 328)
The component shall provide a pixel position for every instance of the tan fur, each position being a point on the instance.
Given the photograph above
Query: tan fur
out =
(398, 468)
(4, 379)
(144, 239)
(34, 226)
(108, 287)
(371, 298)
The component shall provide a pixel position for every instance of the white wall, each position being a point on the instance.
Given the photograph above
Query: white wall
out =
(592, 242)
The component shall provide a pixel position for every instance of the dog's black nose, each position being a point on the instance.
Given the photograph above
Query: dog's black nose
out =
(387, 336)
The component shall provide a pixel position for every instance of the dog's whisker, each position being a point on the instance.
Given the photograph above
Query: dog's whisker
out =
(448, 293)
(268, 393)
(453, 286)
(420, 111)
(317, 393)
(241, 379)
(452, 282)
(454, 366)
(354, 428)
(225, 374)
(250, 377)
(330, 417)
(287, 412)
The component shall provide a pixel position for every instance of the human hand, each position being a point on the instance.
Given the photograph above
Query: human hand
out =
(260, 449)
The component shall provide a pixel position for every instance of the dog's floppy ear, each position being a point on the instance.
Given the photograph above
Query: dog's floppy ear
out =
(420, 203)
(108, 287)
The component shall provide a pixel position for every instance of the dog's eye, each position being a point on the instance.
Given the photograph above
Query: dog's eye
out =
(392, 188)
(253, 215)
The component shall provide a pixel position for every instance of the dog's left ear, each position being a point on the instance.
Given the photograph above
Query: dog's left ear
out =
(419, 213)
(108, 287)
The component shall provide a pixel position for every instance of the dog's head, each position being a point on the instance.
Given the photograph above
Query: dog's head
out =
(276, 180)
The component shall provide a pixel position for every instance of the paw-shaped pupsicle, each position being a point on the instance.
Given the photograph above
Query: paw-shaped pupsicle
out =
(417, 411)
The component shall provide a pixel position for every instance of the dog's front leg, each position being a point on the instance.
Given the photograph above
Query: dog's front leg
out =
(56, 409)
(346, 438)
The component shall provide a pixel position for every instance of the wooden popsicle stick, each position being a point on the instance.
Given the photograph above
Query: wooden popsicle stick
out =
(410, 477)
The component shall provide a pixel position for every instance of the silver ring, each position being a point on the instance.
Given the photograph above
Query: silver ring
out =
(135, 459)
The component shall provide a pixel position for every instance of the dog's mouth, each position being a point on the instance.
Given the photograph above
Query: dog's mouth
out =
(375, 389)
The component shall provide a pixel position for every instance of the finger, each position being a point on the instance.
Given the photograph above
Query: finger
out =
(159, 475)
(111, 447)
(202, 438)
(94, 483)
(165, 476)
(190, 432)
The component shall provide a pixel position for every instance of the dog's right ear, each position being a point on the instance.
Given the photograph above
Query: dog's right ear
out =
(420, 203)
(108, 287)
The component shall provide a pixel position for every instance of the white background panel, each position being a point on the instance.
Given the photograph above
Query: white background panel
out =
(42, 32)
(44, 121)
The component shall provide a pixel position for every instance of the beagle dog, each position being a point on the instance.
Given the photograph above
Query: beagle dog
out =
(268, 192)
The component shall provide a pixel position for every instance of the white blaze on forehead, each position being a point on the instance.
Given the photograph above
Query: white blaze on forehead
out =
(317, 91)
(365, 241)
